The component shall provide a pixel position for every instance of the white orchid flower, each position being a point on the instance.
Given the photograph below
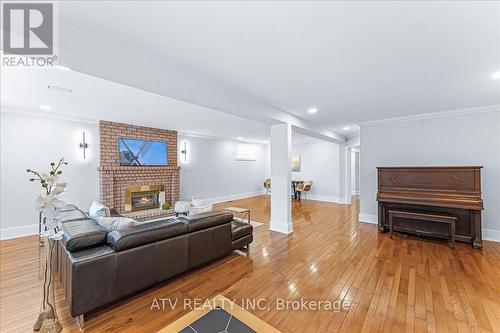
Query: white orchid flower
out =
(51, 180)
(57, 203)
(53, 234)
(58, 235)
(52, 222)
(59, 188)
(48, 201)
(43, 202)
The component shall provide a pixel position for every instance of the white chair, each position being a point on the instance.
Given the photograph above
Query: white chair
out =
(303, 188)
(267, 185)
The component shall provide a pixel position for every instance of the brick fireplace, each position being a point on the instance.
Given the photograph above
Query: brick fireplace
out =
(121, 186)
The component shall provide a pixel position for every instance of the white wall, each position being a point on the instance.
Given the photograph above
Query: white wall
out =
(267, 152)
(355, 172)
(212, 172)
(319, 163)
(33, 142)
(467, 139)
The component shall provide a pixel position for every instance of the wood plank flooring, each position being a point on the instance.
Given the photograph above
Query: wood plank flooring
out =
(392, 285)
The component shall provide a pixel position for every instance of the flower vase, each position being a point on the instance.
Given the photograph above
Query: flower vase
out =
(48, 321)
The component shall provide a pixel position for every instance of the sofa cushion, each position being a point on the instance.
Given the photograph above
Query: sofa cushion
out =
(145, 233)
(91, 253)
(241, 242)
(82, 234)
(206, 220)
(240, 229)
(72, 215)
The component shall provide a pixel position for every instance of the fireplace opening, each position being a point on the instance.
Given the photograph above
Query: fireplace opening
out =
(145, 200)
(144, 197)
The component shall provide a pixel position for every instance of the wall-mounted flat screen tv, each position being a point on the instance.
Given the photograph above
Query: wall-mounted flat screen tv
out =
(142, 153)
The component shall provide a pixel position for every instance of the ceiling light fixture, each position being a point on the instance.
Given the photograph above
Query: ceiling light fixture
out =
(495, 75)
(64, 68)
(56, 88)
(240, 138)
(46, 107)
(346, 128)
(312, 110)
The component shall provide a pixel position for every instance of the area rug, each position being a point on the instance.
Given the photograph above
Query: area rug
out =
(222, 315)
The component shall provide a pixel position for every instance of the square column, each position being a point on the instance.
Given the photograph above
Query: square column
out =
(281, 176)
(344, 174)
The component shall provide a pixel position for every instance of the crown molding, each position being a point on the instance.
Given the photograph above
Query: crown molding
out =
(48, 115)
(352, 135)
(218, 138)
(441, 114)
(201, 136)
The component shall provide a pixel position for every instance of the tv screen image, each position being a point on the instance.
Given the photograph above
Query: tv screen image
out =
(142, 153)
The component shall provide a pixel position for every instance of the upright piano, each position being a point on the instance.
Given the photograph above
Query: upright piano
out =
(453, 192)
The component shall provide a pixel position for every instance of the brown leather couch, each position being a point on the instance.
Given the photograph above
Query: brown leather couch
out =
(98, 267)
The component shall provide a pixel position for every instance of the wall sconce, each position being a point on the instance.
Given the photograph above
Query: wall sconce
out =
(184, 152)
(84, 145)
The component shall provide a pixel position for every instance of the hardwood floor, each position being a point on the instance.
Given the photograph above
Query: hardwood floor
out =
(393, 285)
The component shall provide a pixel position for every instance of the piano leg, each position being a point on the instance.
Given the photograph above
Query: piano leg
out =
(475, 219)
(381, 217)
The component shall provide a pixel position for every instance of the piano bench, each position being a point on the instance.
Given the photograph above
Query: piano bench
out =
(450, 220)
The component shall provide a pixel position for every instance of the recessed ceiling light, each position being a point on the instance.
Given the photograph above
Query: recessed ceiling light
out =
(264, 142)
(46, 107)
(346, 128)
(64, 68)
(240, 138)
(56, 88)
(495, 75)
(312, 110)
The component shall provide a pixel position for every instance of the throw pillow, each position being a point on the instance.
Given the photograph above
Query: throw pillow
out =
(196, 202)
(98, 210)
(116, 223)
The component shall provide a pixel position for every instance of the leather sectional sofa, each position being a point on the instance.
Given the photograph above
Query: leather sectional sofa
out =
(98, 267)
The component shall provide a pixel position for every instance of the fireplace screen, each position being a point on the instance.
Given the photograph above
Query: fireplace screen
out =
(143, 197)
(145, 200)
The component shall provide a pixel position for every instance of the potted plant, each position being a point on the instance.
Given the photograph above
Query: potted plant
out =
(50, 205)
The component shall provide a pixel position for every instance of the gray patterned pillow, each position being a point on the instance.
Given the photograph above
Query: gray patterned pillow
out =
(116, 223)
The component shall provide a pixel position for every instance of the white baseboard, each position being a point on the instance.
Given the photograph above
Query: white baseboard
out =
(326, 198)
(16, 232)
(491, 235)
(344, 200)
(283, 228)
(488, 234)
(230, 197)
(368, 218)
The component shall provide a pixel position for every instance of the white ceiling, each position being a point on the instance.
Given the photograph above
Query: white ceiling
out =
(271, 61)
(94, 99)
